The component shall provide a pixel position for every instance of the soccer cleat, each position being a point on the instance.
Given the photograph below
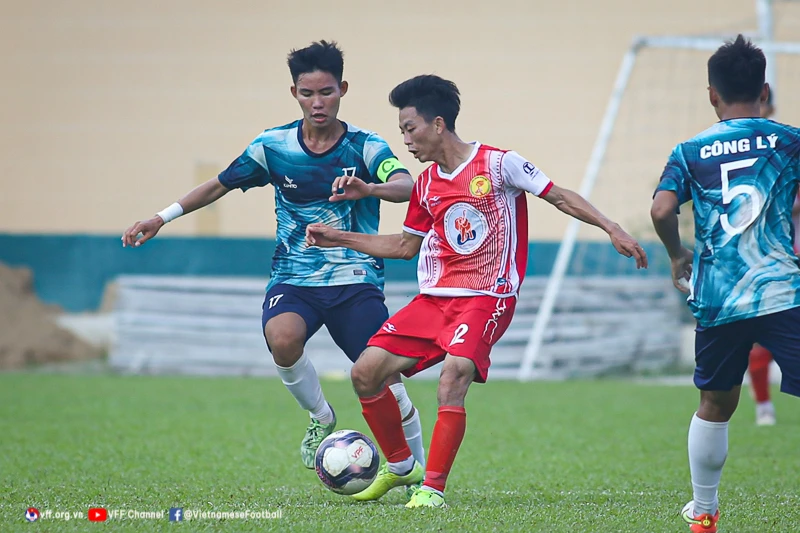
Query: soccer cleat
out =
(705, 523)
(386, 481)
(411, 489)
(426, 498)
(315, 434)
(765, 414)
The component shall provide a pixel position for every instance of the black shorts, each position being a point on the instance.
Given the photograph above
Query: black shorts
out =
(722, 352)
(352, 313)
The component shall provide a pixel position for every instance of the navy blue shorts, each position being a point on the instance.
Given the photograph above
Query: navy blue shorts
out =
(722, 352)
(352, 313)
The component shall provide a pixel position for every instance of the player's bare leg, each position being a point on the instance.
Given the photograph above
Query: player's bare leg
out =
(352, 326)
(286, 336)
(708, 449)
(381, 411)
(457, 375)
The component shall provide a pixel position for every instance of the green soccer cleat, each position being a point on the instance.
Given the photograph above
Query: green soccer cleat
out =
(386, 481)
(426, 498)
(411, 489)
(315, 434)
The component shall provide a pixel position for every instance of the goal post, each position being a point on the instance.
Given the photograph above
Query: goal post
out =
(658, 100)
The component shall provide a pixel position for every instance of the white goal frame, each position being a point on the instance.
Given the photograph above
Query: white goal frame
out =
(534, 364)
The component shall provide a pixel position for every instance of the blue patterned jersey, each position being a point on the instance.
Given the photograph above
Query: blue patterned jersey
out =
(302, 181)
(742, 176)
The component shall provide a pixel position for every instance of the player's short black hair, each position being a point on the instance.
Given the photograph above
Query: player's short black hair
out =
(431, 96)
(323, 56)
(737, 71)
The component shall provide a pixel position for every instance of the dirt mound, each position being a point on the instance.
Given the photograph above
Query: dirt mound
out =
(28, 331)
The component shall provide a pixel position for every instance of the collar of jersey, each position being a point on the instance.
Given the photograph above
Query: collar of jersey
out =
(329, 150)
(460, 167)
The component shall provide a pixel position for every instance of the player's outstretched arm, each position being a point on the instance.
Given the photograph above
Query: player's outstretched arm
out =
(403, 246)
(202, 195)
(664, 213)
(397, 188)
(574, 205)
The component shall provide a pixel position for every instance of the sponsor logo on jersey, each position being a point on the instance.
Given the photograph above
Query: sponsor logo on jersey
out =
(480, 186)
(465, 228)
(465, 231)
(530, 169)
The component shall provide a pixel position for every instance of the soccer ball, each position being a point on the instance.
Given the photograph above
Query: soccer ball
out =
(347, 461)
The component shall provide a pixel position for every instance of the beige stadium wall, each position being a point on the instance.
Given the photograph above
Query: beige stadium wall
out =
(111, 110)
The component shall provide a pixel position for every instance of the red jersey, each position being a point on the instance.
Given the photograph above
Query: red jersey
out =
(474, 223)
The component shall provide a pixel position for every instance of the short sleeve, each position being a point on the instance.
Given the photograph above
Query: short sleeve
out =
(380, 159)
(675, 176)
(248, 170)
(519, 173)
(418, 220)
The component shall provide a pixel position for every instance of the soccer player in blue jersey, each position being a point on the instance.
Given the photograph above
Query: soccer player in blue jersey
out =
(760, 357)
(743, 278)
(322, 170)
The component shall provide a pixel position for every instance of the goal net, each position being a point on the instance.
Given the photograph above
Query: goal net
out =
(597, 314)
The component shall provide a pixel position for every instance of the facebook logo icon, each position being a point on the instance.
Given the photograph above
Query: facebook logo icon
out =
(176, 514)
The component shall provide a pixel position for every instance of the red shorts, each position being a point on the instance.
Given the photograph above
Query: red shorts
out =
(431, 326)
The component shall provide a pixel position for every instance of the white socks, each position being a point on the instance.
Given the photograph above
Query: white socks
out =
(301, 380)
(412, 428)
(435, 491)
(402, 468)
(708, 449)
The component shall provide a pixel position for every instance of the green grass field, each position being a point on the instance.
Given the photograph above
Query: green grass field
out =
(601, 456)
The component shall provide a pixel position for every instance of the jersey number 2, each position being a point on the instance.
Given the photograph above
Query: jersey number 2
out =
(458, 337)
(729, 193)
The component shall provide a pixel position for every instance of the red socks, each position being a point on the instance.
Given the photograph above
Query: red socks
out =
(383, 416)
(447, 436)
(760, 358)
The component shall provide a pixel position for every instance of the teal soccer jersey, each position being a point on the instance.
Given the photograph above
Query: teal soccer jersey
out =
(302, 181)
(742, 177)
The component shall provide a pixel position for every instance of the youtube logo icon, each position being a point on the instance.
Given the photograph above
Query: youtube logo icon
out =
(97, 514)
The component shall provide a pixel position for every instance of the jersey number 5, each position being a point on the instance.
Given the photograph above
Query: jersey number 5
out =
(729, 193)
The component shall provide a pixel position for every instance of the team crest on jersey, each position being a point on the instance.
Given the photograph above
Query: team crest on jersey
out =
(480, 186)
(465, 228)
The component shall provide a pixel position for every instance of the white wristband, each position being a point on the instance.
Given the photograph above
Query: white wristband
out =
(171, 213)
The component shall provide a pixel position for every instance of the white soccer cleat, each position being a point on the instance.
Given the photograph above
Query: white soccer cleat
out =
(765, 414)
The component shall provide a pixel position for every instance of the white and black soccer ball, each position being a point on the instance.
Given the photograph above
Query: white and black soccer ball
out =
(347, 461)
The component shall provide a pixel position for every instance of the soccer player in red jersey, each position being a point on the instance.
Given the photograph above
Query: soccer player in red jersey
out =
(467, 219)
